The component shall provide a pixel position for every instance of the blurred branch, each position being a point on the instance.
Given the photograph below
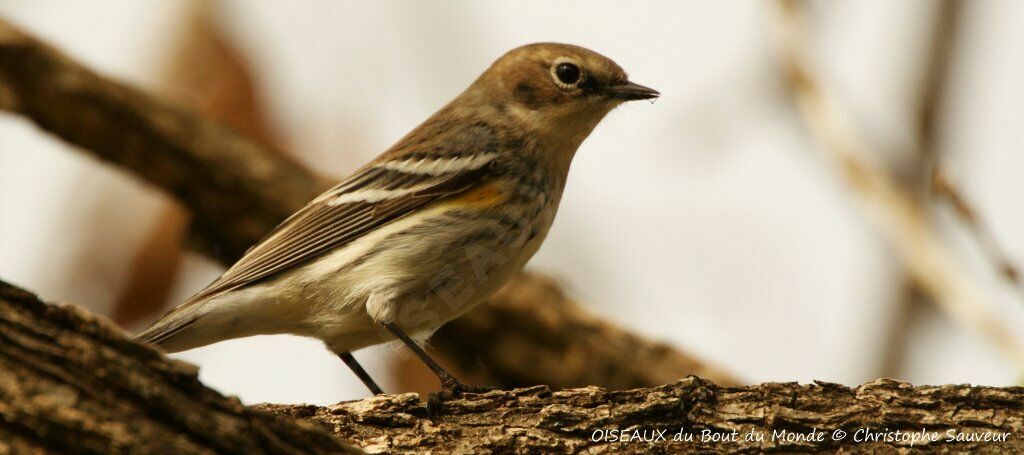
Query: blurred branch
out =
(945, 35)
(211, 75)
(948, 27)
(564, 345)
(208, 74)
(936, 71)
(979, 230)
(154, 268)
(937, 66)
(237, 188)
(897, 214)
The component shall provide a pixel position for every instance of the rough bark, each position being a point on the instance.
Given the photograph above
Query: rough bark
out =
(73, 383)
(238, 189)
(789, 417)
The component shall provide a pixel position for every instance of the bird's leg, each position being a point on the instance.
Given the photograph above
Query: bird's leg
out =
(360, 373)
(448, 381)
(450, 387)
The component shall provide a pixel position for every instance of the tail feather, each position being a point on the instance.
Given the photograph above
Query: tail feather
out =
(165, 328)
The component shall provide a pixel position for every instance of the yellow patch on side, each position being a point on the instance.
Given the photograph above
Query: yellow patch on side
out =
(482, 196)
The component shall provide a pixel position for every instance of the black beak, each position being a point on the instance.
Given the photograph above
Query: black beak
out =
(631, 92)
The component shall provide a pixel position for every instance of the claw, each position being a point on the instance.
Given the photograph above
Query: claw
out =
(450, 388)
(463, 388)
(435, 404)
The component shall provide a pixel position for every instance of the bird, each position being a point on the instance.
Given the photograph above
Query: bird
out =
(427, 230)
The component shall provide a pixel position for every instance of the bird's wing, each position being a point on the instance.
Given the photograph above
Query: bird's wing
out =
(378, 194)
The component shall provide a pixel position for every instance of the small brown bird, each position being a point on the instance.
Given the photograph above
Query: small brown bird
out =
(427, 230)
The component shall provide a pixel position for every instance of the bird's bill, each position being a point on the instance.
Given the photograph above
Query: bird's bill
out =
(631, 92)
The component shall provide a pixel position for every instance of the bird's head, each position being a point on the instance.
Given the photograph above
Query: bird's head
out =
(557, 88)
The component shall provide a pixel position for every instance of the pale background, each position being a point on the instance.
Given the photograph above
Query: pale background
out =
(707, 219)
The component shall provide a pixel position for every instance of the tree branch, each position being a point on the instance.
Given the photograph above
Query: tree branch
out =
(239, 189)
(788, 416)
(938, 64)
(560, 344)
(890, 205)
(74, 383)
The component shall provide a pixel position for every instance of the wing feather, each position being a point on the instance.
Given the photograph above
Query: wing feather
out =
(444, 156)
(322, 226)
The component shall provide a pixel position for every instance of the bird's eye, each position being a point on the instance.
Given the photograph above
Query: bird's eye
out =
(567, 73)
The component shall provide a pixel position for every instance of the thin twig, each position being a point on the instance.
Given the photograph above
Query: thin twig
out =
(931, 97)
(982, 234)
(891, 207)
(948, 27)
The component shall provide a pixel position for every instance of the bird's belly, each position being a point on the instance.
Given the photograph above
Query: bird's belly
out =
(419, 272)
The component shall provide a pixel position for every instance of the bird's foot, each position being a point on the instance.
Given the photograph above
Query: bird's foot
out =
(450, 388)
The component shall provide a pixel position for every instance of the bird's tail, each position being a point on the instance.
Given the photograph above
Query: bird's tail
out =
(163, 331)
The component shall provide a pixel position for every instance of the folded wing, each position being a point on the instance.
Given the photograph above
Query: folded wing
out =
(374, 196)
